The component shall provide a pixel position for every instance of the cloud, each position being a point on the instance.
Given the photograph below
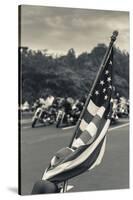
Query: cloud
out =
(59, 29)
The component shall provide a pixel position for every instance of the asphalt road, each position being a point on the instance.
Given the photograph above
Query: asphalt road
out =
(39, 144)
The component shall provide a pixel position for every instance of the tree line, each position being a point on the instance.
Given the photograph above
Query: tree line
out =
(68, 75)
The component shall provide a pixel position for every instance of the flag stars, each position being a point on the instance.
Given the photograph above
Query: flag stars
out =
(106, 97)
(109, 79)
(110, 62)
(110, 87)
(104, 90)
(101, 82)
(112, 100)
(106, 72)
(96, 92)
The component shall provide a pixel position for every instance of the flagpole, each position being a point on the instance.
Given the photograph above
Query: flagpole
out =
(113, 38)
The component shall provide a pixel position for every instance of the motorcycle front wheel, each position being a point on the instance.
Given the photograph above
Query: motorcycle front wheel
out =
(58, 123)
(33, 123)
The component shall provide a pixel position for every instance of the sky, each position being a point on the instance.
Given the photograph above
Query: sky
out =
(59, 29)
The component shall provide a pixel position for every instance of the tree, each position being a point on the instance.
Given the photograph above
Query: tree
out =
(67, 74)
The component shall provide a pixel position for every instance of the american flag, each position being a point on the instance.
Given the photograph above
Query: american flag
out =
(89, 144)
(99, 101)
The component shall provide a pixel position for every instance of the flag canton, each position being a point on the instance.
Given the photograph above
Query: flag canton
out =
(103, 88)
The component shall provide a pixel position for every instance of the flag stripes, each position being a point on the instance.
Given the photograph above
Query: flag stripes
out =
(88, 154)
(100, 156)
(65, 175)
(92, 108)
(89, 130)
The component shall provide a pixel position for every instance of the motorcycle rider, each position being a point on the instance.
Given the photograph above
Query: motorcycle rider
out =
(66, 104)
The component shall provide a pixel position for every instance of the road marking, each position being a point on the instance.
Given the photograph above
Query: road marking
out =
(51, 136)
(111, 129)
(70, 127)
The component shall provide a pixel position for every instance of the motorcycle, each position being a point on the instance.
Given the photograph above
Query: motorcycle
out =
(43, 115)
(123, 110)
(60, 117)
(67, 119)
(75, 114)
